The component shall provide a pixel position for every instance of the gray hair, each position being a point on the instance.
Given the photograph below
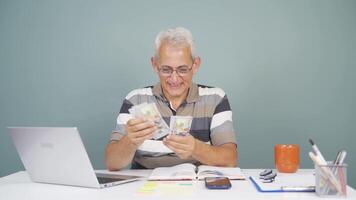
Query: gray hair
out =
(176, 37)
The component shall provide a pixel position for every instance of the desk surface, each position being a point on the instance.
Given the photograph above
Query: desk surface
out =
(19, 186)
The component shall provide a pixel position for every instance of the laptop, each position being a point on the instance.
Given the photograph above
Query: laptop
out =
(58, 156)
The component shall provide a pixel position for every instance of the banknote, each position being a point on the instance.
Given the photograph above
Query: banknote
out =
(180, 125)
(150, 112)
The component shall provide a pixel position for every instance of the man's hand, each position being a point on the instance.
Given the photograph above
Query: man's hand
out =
(183, 146)
(139, 130)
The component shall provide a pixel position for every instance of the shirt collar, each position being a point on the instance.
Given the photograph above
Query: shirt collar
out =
(193, 94)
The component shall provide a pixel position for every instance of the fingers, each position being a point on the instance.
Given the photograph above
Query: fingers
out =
(176, 145)
(139, 137)
(181, 153)
(138, 125)
(139, 130)
(145, 132)
(183, 146)
(179, 138)
(135, 121)
(139, 140)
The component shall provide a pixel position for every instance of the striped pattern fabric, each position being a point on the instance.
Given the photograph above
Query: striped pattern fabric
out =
(209, 107)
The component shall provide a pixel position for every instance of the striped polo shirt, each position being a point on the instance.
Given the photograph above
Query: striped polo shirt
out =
(209, 107)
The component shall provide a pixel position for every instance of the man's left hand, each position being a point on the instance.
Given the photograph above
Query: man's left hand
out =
(183, 146)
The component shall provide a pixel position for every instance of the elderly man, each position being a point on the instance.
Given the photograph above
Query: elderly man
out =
(211, 140)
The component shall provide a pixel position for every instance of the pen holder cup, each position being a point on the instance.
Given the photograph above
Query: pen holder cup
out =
(330, 180)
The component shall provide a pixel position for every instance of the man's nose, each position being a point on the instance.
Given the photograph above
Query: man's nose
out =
(174, 75)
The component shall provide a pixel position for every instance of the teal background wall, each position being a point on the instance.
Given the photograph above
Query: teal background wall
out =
(288, 68)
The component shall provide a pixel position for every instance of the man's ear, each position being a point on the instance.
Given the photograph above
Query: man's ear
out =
(196, 64)
(154, 64)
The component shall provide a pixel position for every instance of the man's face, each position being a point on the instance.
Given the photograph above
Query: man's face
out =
(177, 83)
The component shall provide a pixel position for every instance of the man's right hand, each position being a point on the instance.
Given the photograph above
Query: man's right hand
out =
(139, 130)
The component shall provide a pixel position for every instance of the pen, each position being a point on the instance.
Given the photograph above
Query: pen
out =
(298, 188)
(342, 157)
(326, 173)
(338, 169)
(337, 157)
(341, 172)
(317, 162)
(317, 152)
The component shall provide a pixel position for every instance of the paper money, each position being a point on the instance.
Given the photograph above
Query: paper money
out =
(150, 112)
(180, 125)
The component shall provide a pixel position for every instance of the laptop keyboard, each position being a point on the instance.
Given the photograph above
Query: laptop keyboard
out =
(103, 180)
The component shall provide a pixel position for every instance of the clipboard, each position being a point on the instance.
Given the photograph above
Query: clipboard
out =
(296, 182)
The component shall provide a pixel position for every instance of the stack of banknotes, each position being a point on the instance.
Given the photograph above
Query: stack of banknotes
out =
(179, 125)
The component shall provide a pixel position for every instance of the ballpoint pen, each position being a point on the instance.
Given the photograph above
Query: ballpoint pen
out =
(298, 188)
(341, 171)
(337, 157)
(342, 157)
(337, 168)
(333, 169)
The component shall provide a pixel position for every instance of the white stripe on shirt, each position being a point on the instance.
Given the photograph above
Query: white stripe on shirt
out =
(220, 118)
(123, 118)
(211, 91)
(141, 91)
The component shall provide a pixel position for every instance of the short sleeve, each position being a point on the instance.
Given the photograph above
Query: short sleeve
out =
(221, 128)
(123, 117)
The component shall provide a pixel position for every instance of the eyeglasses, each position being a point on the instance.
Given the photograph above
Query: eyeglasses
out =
(168, 71)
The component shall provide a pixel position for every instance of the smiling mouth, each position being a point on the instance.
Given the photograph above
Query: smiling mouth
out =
(174, 85)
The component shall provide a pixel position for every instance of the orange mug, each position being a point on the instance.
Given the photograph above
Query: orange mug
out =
(286, 157)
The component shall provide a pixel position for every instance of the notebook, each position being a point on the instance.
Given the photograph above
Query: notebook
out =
(188, 171)
(58, 156)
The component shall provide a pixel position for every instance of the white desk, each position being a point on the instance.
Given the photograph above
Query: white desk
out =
(19, 186)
